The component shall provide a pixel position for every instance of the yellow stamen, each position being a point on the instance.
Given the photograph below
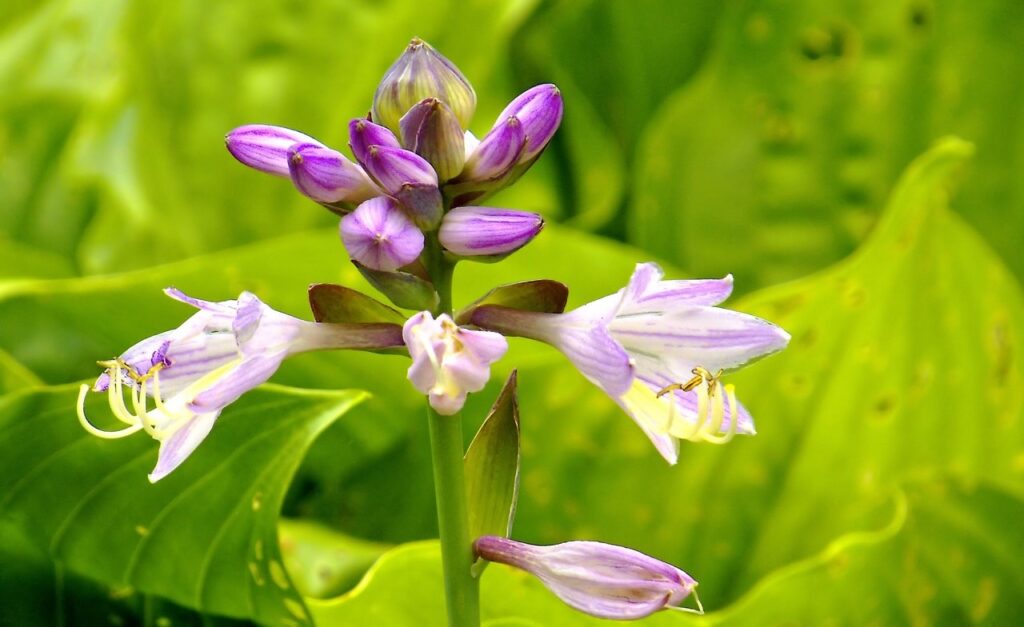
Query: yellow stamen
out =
(100, 433)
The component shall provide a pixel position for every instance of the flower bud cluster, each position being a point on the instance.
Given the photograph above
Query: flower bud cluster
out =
(418, 173)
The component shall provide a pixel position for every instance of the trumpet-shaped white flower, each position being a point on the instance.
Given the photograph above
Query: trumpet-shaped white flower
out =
(191, 373)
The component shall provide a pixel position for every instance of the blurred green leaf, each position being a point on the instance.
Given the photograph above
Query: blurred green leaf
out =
(204, 537)
(492, 467)
(322, 562)
(614, 62)
(14, 376)
(774, 162)
(941, 559)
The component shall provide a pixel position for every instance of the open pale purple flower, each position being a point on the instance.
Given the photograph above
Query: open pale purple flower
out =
(599, 579)
(449, 362)
(657, 348)
(193, 372)
(488, 231)
(380, 236)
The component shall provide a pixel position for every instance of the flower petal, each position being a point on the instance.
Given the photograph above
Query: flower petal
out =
(244, 376)
(175, 449)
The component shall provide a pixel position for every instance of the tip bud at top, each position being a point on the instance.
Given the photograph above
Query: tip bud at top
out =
(599, 579)
(488, 231)
(539, 110)
(422, 72)
(380, 236)
(264, 147)
(431, 130)
(325, 175)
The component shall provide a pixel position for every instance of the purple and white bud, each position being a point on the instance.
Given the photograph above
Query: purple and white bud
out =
(448, 362)
(325, 175)
(488, 231)
(410, 179)
(380, 236)
(431, 130)
(265, 148)
(497, 152)
(422, 72)
(599, 579)
(539, 110)
(363, 133)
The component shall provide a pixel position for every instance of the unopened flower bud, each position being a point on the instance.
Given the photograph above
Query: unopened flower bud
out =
(599, 579)
(431, 130)
(487, 231)
(325, 175)
(363, 133)
(380, 236)
(265, 148)
(539, 110)
(422, 72)
(497, 152)
(410, 179)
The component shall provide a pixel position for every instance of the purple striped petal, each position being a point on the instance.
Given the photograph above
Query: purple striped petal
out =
(475, 231)
(690, 335)
(247, 374)
(395, 167)
(497, 153)
(598, 579)
(363, 133)
(539, 110)
(265, 148)
(379, 235)
(597, 355)
(175, 449)
(325, 175)
(647, 292)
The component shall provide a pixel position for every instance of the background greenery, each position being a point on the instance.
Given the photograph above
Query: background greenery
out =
(797, 145)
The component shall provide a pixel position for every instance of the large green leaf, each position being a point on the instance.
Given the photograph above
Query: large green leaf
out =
(775, 161)
(204, 537)
(905, 359)
(940, 559)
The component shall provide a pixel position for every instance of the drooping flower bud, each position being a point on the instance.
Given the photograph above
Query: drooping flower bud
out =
(496, 153)
(599, 579)
(265, 148)
(488, 231)
(431, 130)
(410, 179)
(448, 362)
(325, 175)
(539, 110)
(422, 72)
(363, 133)
(380, 236)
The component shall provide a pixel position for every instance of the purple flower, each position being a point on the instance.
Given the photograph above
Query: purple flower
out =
(363, 133)
(325, 175)
(379, 235)
(422, 72)
(265, 148)
(599, 579)
(487, 231)
(448, 362)
(409, 179)
(539, 110)
(657, 348)
(193, 372)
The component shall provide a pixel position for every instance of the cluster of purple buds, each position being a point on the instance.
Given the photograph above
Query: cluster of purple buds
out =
(417, 169)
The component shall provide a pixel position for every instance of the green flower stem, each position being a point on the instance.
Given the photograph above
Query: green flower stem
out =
(462, 590)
